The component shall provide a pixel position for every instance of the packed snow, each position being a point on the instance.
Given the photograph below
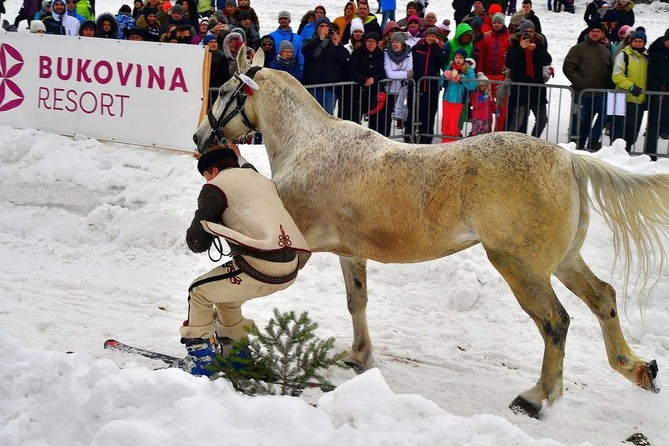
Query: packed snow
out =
(92, 247)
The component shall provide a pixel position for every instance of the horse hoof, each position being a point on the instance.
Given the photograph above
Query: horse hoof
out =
(523, 407)
(651, 371)
(356, 366)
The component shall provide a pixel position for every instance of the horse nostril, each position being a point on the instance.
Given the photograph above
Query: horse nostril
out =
(196, 140)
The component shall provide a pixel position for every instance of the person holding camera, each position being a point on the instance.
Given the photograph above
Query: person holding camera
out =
(525, 58)
(324, 61)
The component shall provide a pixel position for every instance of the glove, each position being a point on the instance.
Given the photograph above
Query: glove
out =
(635, 91)
(409, 74)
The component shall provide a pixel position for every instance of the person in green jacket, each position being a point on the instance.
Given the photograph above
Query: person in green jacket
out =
(630, 71)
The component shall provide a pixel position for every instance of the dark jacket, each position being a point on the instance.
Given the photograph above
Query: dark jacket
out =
(362, 65)
(515, 61)
(427, 61)
(587, 65)
(658, 65)
(326, 67)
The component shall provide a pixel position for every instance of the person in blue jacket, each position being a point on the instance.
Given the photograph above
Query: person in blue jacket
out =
(285, 32)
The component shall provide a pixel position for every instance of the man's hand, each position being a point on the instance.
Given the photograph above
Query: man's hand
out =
(335, 39)
(369, 81)
(635, 91)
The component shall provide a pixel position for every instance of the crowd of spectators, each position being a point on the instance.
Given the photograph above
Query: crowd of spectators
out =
(381, 56)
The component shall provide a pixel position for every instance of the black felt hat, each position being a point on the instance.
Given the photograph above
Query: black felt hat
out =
(213, 156)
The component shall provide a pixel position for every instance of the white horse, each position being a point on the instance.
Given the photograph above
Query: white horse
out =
(362, 196)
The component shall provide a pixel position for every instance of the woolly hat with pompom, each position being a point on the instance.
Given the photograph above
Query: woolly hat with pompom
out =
(640, 33)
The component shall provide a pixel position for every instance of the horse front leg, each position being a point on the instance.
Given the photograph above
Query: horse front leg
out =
(354, 271)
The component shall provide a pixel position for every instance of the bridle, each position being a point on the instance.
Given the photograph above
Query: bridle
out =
(238, 98)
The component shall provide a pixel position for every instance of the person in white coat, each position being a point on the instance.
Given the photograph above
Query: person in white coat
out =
(398, 63)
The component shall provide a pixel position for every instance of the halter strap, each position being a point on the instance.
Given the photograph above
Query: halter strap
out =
(239, 98)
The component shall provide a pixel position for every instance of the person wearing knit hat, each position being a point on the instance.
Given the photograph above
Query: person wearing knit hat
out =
(428, 60)
(630, 74)
(366, 68)
(286, 60)
(524, 26)
(455, 94)
(286, 45)
(232, 3)
(491, 61)
(587, 66)
(357, 25)
(658, 80)
(526, 58)
(390, 27)
(442, 32)
(236, 203)
(37, 27)
(499, 17)
(483, 106)
(640, 34)
(166, 6)
(515, 20)
(369, 23)
(208, 38)
(624, 31)
(398, 63)
(432, 30)
(285, 32)
(177, 9)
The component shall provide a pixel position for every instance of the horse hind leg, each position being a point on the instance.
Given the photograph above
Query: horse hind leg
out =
(535, 295)
(355, 279)
(601, 299)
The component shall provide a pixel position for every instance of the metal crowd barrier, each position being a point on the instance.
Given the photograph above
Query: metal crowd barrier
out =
(412, 111)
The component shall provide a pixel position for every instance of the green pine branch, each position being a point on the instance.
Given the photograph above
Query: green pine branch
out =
(279, 360)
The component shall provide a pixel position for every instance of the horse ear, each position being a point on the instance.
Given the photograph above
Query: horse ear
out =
(242, 63)
(259, 58)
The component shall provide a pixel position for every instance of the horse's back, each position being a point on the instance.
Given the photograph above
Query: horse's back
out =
(521, 197)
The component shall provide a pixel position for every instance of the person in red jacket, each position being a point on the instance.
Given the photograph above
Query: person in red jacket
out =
(491, 60)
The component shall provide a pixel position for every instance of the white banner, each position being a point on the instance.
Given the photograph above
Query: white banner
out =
(134, 92)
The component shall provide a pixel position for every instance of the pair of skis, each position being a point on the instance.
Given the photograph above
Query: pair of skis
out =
(176, 362)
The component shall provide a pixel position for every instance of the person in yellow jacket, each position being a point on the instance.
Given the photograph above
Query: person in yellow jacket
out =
(267, 249)
(630, 71)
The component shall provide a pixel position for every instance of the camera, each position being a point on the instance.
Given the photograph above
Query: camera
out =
(527, 36)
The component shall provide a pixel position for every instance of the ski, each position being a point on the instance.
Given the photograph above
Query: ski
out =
(171, 361)
(176, 362)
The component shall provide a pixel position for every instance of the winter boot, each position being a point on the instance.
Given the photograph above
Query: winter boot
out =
(201, 352)
(239, 360)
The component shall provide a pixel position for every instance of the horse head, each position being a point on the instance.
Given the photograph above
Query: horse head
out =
(231, 117)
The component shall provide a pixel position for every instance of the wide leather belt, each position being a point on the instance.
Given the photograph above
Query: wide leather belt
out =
(261, 277)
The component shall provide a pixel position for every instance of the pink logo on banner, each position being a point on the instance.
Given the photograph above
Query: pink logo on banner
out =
(11, 63)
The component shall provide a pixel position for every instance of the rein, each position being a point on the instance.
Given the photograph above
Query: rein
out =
(238, 97)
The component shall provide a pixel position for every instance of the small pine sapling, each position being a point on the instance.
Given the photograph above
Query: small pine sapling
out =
(282, 359)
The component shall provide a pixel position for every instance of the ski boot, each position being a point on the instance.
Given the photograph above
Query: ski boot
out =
(201, 352)
(240, 359)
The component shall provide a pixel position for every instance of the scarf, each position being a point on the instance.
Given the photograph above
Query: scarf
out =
(413, 32)
(529, 61)
(321, 47)
(400, 56)
(286, 63)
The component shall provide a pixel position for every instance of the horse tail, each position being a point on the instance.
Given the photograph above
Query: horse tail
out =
(636, 208)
